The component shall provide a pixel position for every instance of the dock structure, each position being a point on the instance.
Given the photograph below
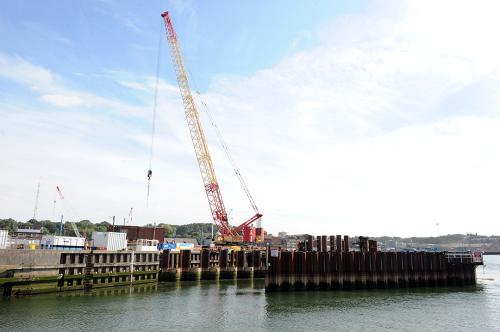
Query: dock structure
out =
(24, 272)
(212, 264)
(337, 267)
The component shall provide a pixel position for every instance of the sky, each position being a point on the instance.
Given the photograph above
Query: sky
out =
(344, 117)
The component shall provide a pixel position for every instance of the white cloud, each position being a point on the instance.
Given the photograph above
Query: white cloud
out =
(133, 85)
(52, 88)
(63, 100)
(19, 70)
(310, 123)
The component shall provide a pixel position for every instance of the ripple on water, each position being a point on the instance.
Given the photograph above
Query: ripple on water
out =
(243, 305)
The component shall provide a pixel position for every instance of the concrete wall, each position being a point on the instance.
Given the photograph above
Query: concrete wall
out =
(28, 263)
(41, 263)
(25, 272)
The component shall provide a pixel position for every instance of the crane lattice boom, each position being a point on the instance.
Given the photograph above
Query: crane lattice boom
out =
(200, 145)
(197, 135)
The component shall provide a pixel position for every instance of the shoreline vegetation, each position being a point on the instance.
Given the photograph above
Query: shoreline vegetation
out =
(489, 244)
(86, 227)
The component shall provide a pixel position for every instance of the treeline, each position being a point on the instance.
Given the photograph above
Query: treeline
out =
(195, 230)
(86, 228)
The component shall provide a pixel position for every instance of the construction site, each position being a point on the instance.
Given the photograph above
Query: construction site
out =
(32, 262)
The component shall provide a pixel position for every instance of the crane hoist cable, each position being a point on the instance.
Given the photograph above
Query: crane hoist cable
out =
(227, 152)
(223, 145)
(155, 104)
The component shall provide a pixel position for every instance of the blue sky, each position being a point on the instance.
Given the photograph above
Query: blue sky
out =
(346, 114)
(82, 38)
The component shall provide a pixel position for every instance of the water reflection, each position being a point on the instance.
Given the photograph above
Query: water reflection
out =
(107, 291)
(344, 300)
(234, 305)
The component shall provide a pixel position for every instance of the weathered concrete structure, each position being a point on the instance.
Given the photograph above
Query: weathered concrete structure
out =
(40, 271)
(212, 264)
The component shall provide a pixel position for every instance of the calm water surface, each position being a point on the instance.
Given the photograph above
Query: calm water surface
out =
(244, 306)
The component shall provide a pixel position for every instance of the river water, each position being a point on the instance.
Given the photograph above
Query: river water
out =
(244, 306)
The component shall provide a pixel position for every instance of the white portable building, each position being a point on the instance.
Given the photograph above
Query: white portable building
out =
(62, 242)
(4, 237)
(144, 245)
(109, 240)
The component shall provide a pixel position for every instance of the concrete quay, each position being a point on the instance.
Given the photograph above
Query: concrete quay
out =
(24, 272)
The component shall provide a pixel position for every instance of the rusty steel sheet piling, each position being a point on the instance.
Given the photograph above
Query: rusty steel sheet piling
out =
(259, 264)
(208, 268)
(342, 268)
(226, 265)
(188, 271)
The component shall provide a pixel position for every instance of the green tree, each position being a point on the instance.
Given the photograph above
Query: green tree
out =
(8, 224)
(169, 230)
(86, 228)
(103, 226)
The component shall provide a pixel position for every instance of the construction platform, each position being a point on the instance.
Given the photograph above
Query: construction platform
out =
(337, 267)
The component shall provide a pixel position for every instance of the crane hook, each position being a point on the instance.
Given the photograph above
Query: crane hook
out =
(150, 173)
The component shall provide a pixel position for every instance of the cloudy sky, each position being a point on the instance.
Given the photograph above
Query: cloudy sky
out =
(366, 117)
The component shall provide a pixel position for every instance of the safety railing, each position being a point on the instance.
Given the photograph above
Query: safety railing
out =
(465, 257)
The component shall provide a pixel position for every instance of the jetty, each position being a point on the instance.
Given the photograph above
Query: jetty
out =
(330, 264)
(212, 264)
(25, 272)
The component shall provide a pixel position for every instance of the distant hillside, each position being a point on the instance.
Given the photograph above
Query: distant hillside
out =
(445, 242)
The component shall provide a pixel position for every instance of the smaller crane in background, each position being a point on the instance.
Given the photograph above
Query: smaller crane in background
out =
(73, 225)
(61, 198)
(130, 216)
(35, 212)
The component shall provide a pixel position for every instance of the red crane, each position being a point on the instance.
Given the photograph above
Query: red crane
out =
(219, 214)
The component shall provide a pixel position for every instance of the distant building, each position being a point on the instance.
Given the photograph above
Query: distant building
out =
(273, 241)
(290, 244)
(135, 233)
(300, 237)
(25, 238)
(180, 240)
(28, 233)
